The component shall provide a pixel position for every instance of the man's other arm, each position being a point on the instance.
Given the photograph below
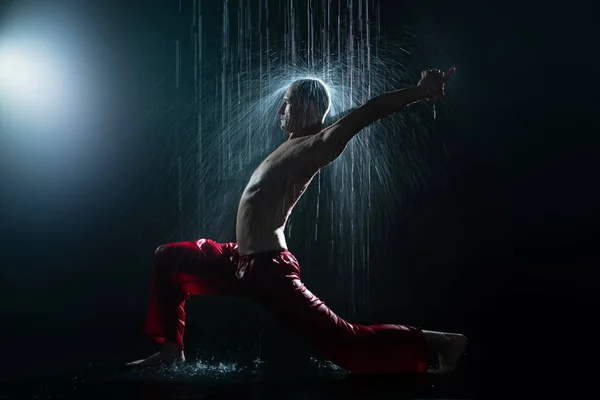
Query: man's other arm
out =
(333, 139)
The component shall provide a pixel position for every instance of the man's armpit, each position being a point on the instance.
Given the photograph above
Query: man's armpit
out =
(326, 151)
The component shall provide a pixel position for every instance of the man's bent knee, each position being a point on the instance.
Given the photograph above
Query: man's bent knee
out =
(161, 253)
(172, 255)
(159, 250)
(166, 256)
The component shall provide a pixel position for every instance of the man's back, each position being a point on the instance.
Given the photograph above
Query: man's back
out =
(273, 190)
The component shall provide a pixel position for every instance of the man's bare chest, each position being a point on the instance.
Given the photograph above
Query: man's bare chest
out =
(281, 163)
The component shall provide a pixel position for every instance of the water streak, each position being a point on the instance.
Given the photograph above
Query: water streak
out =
(265, 45)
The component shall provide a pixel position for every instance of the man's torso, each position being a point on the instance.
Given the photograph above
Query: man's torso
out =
(273, 190)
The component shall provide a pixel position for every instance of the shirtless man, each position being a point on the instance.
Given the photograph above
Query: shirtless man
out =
(259, 266)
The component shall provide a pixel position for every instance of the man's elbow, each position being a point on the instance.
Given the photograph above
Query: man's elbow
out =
(359, 119)
(374, 111)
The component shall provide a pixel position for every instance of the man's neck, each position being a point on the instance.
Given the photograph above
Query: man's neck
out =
(308, 131)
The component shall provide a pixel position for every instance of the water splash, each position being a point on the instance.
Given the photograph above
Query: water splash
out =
(213, 371)
(210, 371)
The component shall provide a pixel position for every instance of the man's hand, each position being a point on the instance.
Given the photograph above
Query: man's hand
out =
(433, 81)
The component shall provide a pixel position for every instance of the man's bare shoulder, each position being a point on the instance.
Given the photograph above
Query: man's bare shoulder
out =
(302, 141)
(314, 149)
(297, 149)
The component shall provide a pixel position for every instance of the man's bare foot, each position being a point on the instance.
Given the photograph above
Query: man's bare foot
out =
(168, 354)
(451, 353)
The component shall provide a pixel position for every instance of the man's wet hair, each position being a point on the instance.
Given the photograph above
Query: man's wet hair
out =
(306, 91)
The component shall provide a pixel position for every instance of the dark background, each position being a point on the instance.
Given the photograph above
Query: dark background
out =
(504, 254)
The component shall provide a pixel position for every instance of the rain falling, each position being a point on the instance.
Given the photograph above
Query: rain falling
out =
(265, 46)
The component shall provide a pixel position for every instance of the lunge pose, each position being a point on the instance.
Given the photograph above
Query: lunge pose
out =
(259, 265)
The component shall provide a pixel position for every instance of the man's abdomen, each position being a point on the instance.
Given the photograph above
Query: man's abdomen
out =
(252, 241)
(261, 218)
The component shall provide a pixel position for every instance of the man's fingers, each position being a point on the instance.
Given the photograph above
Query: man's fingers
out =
(437, 74)
(450, 72)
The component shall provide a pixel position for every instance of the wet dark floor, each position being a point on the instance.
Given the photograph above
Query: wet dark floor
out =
(222, 381)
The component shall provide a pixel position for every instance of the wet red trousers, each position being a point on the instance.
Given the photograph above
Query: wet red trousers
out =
(273, 280)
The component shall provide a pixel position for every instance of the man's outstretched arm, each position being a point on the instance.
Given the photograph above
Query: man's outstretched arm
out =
(335, 138)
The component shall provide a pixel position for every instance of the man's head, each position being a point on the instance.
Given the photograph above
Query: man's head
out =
(305, 104)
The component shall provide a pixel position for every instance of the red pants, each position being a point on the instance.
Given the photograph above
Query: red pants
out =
(273, 280)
